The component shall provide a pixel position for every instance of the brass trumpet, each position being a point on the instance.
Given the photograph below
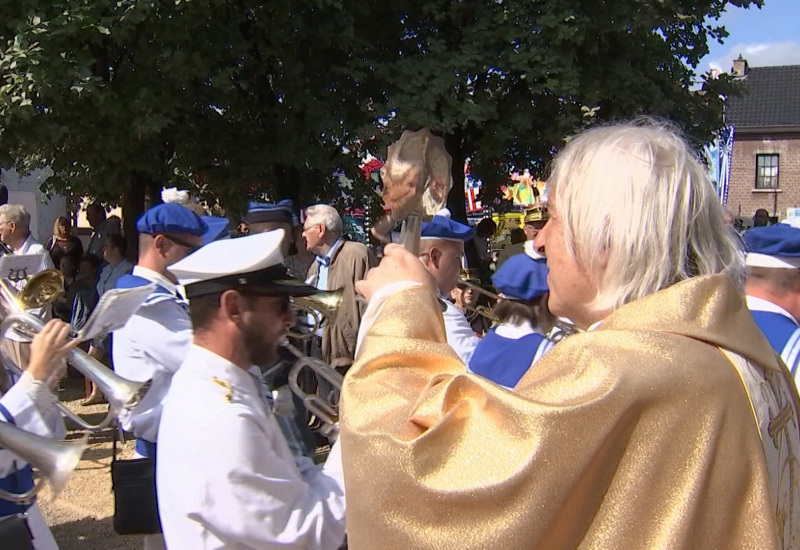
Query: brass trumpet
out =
(485, 311)
(317, 306)
(41, 289)
(326, 410)
(55, 460)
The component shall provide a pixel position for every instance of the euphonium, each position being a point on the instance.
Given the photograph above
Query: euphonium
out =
(326, 411)
(55, 460)
(316, 306)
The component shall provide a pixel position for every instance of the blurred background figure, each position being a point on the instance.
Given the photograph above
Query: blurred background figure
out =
(101, 227)
(63, 242)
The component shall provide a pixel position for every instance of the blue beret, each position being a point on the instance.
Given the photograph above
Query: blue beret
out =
(442, 227)
(217, 228)
(171, 217)
(522, 277)
(283, 212)
(781, 242)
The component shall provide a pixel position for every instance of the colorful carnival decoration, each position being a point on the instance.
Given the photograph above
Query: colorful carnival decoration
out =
(525, 192)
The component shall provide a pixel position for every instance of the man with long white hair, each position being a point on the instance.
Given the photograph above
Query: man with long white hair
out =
(668, 422)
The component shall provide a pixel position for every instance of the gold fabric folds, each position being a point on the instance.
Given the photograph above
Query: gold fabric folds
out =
(637, 435)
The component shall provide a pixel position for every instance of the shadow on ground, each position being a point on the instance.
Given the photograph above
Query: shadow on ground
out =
(92, 534)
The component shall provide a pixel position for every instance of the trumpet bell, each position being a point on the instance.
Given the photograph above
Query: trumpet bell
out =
(41, 289)
(327, 303)
(55, 460)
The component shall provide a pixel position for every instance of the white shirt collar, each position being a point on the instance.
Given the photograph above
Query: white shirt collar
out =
(516, 331)
(26, 244)
(154, 277)
(760, 304)
(334, 248)
(205, 363)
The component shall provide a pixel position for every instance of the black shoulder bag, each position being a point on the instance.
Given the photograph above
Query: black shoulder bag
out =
(135, 503)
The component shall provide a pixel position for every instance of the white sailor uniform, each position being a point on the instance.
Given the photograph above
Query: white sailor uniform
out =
(151, 346)
(460, 335)
(28, 405)
(780, 328)
(225, 475)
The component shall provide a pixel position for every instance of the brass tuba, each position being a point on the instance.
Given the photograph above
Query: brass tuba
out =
(327, 410)
(55, 460)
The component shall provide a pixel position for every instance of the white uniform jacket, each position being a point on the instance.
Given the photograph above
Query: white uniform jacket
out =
(151, 346)
(31, 246)
(460, 335)
(31, 407)
(225, 475)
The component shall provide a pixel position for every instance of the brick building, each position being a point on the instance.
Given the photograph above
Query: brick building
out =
(765, 165)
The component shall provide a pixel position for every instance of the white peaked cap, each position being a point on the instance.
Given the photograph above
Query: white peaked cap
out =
(254, 262)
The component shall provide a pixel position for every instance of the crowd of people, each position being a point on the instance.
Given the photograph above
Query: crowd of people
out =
(626, 381)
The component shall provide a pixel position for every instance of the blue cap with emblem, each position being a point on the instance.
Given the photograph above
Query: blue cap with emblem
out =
(522, 277)
(775, 246)
(251, 264)
(282, 212)
(171, 218)
(442, 227)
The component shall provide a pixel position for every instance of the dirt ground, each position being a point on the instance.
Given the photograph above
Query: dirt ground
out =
(81, 517)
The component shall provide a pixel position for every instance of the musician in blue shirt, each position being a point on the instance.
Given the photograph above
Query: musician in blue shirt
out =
(518, 340)
(772, 287)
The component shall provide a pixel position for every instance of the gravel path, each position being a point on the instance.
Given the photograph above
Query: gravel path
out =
(81, 518)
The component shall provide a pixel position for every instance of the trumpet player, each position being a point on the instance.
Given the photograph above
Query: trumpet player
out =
(441, 252)
(518, 340)
(225, 475)
(29, 404)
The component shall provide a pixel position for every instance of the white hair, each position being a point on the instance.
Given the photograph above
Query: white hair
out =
(327, 216)
(633, 196)
(16, 213)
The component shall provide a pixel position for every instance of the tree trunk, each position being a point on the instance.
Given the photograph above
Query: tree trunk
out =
(456, 200)
(132, 209)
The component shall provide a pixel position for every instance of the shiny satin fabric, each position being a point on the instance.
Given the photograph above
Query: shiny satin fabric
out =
(636, 435)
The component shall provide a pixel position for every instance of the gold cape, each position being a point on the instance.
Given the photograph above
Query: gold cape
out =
(636, 435)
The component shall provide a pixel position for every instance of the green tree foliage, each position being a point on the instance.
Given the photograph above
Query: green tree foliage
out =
(506, 80)
(228, 98)
(237, 98)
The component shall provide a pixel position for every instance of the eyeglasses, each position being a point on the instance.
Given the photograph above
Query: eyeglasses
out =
(181, 242)
(310, 227)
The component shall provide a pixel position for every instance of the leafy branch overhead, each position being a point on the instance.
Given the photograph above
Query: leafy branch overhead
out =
(238, 98)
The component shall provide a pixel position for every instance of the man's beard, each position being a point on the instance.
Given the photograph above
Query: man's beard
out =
(260, 351)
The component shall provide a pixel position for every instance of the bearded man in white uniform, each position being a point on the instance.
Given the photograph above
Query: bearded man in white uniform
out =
(225, 475)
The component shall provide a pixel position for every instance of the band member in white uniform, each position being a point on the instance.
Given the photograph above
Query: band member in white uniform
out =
(29, 404)
(225, 475)
(442, 251)
(155, 340)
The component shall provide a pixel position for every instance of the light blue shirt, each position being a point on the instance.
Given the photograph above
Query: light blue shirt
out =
(325, 264)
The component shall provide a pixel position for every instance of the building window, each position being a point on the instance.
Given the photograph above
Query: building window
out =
(766, 171)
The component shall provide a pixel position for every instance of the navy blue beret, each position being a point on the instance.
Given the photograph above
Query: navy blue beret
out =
(259, 212)
(773, 246)
(522, 277)
(171, 217)
(442, 227)
(217, 228)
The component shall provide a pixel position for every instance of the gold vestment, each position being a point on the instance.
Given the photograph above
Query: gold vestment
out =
(639, 434)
